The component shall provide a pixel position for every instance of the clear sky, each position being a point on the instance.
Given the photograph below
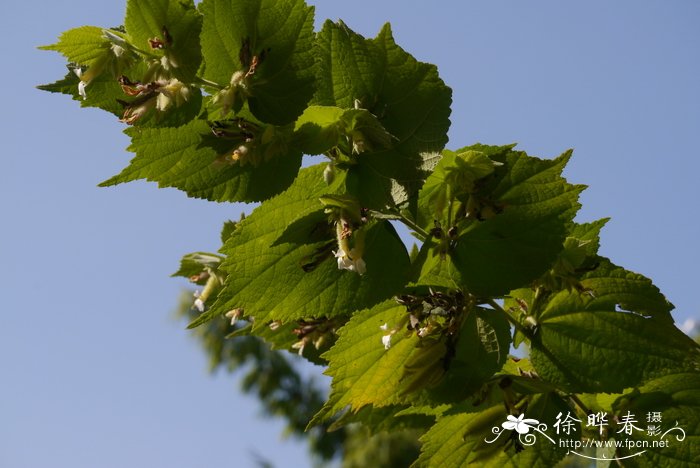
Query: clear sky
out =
(94, 372)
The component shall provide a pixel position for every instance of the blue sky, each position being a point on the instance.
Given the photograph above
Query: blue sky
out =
(96, 373)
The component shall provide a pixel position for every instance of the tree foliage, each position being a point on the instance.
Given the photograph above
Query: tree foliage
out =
(223, 99)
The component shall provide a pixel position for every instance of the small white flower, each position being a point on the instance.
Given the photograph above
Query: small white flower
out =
(168, 62)
(350, 262)
(81, 89)
(118, 51)
(299, 346)
(386, 341)
(423, 331)
(198, 303)
(329, 173)
(114, 38)
(238, 79)
(163, 102)
(81, 86)
(234, 315)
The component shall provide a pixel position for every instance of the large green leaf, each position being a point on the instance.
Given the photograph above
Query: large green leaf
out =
(321, 128)
(470, 438)
(278, 273)
(180, 157)
(481, 350)
(377, 362)
(84, 45)
(280, 34)
(531, 206)
(671, 406)
(455, 176)
(176, 25)
(364, 371)
(408, 97)
(616, 336)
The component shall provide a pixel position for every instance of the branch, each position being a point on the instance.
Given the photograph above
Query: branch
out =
(518, 326)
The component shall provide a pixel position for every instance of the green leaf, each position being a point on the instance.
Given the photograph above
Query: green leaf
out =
(481, 350)
(176, 25)
(408, 97)
(675, 399)
(321, 128)
(195, 263)
(365, 372)
(478, 439)
(291, 281)
(299, 279)
(590, 233)
(516, 246)
(455, 175)
(458, 439)
(180, 157)
(84, 45)
(378, 420)
(531, 206)
(613, 288)
(280, 34)
(103, 92)
(287, 337)
(591, 344)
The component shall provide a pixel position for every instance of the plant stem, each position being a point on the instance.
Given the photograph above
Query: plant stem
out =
(580, 404)
(422, 233)
(203, 82)
(518, 326)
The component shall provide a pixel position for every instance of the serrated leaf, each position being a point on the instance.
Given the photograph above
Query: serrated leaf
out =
(176, 25)
(321, 128)
(408, 97)
(478, 439)
(283, 337)
(291, 281)
(454, 176)
(481, 350)
(589, 344)
(105, 92)
(513, 247)
(675, 399)
(84, 45)
(614, 287)
(457, 440)
(387, 418)
(589, 232)
(178, 157)
(194, 263)
(364, 371)
(281, 31)
(294, 280)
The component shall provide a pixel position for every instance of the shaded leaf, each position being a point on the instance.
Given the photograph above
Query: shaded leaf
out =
(175, 26)
(178, 157)
(408, 97)
(586, 344)
(280, 34)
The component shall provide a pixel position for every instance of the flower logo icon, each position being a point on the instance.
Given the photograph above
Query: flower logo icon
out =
(519, 424)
